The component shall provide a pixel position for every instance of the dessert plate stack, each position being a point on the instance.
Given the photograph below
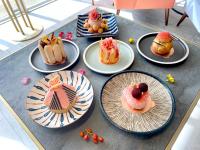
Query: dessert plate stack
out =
(146, 123)
(112, 27)
(42, 115)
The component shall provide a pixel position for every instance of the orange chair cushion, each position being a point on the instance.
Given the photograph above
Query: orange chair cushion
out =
(143, 4)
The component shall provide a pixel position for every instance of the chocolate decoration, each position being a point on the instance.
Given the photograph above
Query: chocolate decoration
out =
(55, 103)
(70, 93)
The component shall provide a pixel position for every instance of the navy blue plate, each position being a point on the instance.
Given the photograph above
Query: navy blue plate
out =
(112, 27)
(181, 50)
(156, 119)
(72, 51)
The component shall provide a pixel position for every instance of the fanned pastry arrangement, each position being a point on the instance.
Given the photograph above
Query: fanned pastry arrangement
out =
(60, 96)
(52, 50)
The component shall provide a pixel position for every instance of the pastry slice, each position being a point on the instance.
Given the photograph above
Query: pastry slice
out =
(60, 96)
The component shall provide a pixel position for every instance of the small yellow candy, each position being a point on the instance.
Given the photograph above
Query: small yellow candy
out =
(169, 75)
(131, 40)
(170, 78)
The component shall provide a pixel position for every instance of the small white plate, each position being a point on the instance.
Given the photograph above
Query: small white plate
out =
(91, 58)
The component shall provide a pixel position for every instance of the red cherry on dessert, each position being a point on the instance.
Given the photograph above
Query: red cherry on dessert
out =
(86, 137)
(136, 93)
(143, 87)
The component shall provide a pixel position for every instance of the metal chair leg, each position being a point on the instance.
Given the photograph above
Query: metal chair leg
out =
(166, 16)
(118, 11)
(182, 18)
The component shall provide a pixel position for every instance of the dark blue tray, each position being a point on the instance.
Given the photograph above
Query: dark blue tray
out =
(112, 27)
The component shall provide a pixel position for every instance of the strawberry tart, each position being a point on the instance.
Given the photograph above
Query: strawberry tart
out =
(60, 96)
(52, 50)
(163, 45)
(95, 23)
(136, 98)
(109, 51)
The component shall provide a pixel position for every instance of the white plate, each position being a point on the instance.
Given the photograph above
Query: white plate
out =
(91, 58)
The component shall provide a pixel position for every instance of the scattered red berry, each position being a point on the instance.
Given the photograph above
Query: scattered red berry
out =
(95, 136)
(89, 130)
(81, 133)
(86, 137)
(69, 36)
(88, 133)
(95, 141)
(101, 139)
(61, 35)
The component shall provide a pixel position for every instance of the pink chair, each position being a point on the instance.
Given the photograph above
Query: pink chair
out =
(145, 4)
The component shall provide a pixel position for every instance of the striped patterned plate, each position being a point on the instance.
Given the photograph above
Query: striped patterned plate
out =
(41, 113)
(112, 27)
(148, 123)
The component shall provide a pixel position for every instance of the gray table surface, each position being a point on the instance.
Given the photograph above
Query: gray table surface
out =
(16, 66)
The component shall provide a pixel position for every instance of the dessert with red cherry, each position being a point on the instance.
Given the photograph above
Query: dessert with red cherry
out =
(136, 98)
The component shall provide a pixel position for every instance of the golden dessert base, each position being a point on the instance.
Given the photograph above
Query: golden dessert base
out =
(29, 33)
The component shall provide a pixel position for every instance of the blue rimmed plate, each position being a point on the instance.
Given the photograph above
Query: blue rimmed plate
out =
(41, 113)
(153, 121)
(112, 27)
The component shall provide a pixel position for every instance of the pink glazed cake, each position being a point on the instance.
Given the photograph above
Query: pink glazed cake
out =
(137, 99)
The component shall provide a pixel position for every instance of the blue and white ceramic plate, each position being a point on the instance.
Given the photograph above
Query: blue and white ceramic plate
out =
(42, 115)
(112, 27)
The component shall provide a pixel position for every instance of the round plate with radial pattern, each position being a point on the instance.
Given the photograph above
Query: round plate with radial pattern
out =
(149, 122)
(42, 115)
